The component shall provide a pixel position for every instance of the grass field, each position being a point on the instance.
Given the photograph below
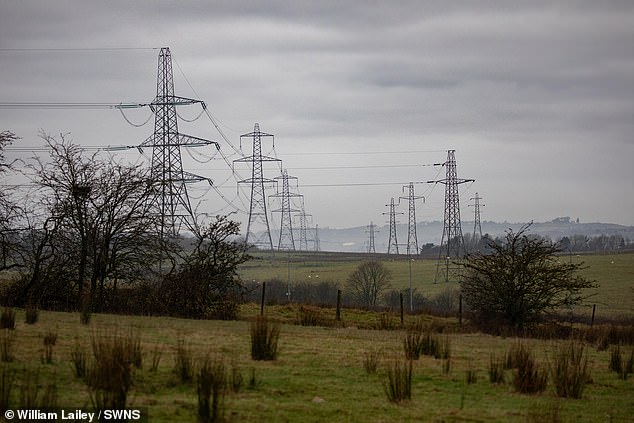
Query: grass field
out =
(613, 272)
(318, 376)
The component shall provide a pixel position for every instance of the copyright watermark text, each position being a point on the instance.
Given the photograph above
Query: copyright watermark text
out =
(77, 415)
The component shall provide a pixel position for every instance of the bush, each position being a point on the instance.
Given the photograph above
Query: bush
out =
(49, 341)
(110, 377)
(371, 361)
(78, 358)
(31, 314)
(7, 382)
(7, 319)
(308, 316)
(7, 340)
(496, 370)
(184, 362)
(528, 377)
(398, 383)
(264, 339)
(520, 281)
(570, 370)
(211, 388)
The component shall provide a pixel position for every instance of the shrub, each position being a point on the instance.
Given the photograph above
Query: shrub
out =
(184, 362)
(308, 316)
(31, 394)
(471, 375)
(211, 388)
(570, 370)
(520, 281)
(7, 319)
(110, 377)
(264, 339)
(49, 341)
(528, 377)
(7, 340)
(156, 358)
(386, 321)
(398, 383)
(618, 364)
(412, 344)
(31, 314)
(496, 370)
(7, 382)
(235, 379)
(78, 358)
(516, 355)
(371, 361)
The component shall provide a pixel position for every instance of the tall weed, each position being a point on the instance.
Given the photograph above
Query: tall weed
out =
(398, 382)
(264, 339)
(570, 370)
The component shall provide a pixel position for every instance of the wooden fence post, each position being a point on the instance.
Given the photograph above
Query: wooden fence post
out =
(338, 315)
(401, 301)
(262, 300)
(460, 309)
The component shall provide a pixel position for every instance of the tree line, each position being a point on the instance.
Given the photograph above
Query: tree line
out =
(86, 235)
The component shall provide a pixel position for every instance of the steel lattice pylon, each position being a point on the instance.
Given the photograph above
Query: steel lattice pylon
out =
(258, 216)
(452, 245)
(286, 241)
(317, 243)
(477, 228)
(393, 240)
(171, 201)
(303, 218)
(412, 239)
(371, 248)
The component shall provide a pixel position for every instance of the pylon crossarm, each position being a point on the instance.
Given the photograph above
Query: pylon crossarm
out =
(175, 101)
(181, 140)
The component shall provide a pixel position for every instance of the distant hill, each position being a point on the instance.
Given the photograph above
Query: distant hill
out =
(356, 239)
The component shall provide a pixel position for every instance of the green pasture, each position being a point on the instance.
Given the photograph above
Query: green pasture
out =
(318, 376)
(614, 273)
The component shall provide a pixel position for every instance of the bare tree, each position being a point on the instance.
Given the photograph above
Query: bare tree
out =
(520, 281)
(9, 211)
(368, 281)
(207, 284)
(100, 211)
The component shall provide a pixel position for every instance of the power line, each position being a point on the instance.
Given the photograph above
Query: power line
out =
(71, 49)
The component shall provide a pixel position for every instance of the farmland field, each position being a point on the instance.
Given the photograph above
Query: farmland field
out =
(319, 374)
(613, 272)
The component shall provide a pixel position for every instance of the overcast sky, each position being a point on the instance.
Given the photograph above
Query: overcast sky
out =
(537, 98)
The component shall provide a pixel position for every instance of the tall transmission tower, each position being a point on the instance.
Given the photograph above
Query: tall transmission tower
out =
(317, 246)
(171, 201)
(477, 228)
(258, 229)
(452, 245)
(286, 241)
(370, 231)
(393, 241)
(303, 218)
(412, 239)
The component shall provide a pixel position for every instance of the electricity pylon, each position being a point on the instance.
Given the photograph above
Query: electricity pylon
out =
(412, 239)
(370, 231)
(303, 218)
(477, 228)
(317, 246)
(258, 229)
(286, 241)
(452, 245)
(170, 201)
(393, 240)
